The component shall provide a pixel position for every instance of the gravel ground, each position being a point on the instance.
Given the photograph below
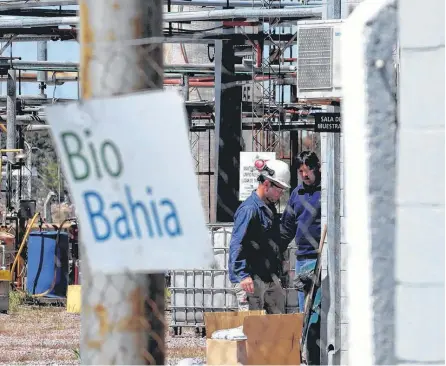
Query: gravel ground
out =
(39, 336)
(185, 346)
(50, 336)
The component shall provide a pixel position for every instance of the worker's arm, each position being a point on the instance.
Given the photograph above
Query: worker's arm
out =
(288, 225)
(237, 258)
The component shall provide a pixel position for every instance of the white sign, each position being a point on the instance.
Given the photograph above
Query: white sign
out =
(248, 171)
(130, 170)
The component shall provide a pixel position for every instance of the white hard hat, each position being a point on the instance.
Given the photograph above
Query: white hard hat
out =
(276, 171)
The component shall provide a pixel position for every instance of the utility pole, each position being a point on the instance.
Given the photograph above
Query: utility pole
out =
(122, 314)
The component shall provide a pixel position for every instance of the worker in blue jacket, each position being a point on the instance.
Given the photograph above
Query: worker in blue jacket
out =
(301, 218)
(256, 249)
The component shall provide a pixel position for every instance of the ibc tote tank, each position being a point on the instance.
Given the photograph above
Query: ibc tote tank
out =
(47, 263)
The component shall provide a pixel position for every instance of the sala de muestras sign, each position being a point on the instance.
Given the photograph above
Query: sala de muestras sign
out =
(132, 178)
(327, 122)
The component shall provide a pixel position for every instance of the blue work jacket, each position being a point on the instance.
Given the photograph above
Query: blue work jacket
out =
(255, 248)
(301, 219)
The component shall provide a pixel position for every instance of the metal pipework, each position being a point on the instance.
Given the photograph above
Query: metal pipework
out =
(3, 263)
(43, 65)
(52, 78)
(229, 14)
(47, 213)
(242, 3)
(11, 5)
(56, 37)
(38, 22)
(185, 68)
(42, 55)
(208, 15)
(32, 100)
(32, 38)
(25, 119)
(11, 151)
(37, 128)
(11, 98)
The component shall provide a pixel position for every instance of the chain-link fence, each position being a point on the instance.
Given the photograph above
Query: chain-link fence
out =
(123, 315)
(121, 52)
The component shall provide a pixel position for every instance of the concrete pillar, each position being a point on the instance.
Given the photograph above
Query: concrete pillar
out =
(369, 128)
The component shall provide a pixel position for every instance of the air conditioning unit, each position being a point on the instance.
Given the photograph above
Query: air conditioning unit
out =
(318, 59)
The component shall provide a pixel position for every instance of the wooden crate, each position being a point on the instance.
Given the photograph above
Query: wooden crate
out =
(272, 339)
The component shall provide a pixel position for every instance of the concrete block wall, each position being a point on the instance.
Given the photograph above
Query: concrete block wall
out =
(420, 197)
(395, 223)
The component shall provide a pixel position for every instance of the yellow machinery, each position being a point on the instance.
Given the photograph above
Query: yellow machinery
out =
(5, 278)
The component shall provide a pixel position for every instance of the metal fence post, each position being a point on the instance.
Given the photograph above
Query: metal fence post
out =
(123, 314)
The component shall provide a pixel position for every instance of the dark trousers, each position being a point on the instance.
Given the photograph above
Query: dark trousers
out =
(268, 296)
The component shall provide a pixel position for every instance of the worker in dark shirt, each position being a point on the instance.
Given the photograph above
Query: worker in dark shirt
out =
(255, 249)
(301, 218)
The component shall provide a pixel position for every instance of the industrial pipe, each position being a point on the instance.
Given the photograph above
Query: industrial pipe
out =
(17, 22)
(50, 195)
(11, 105)
(62, 77)
(30, 38)
(228, 14)
(187, 38)
(23, 118)
(210, 83)
(43, 65)
(31, 128)
(185, 68)
(192, 84)
(42, 55)
(35, 100)
(51, 77)
(11, 5)
(242, 3)
(37, 128)
(189, 16)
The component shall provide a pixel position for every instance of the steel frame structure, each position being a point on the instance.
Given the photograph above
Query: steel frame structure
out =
(256, 26)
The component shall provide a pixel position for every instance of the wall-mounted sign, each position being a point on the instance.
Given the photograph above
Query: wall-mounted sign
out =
(327, 122)
(249, 164)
